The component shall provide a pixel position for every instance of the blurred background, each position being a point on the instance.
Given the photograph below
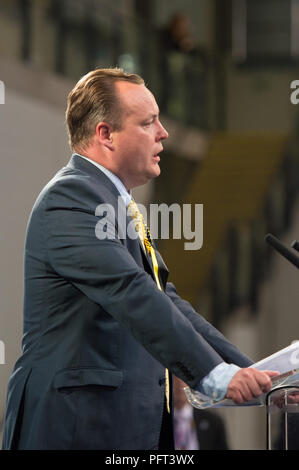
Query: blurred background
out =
(221, 72)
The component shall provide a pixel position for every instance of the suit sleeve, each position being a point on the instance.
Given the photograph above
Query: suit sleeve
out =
(107, 274)
(224, 348)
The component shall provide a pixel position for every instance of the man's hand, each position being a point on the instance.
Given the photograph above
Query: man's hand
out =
(249, 383)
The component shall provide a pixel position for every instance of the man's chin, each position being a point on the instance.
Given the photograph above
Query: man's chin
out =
(156, 171)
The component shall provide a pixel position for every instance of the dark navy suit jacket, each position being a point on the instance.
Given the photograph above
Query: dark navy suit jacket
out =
(98, 333)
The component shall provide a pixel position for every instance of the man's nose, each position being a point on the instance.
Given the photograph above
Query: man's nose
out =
(163, 134)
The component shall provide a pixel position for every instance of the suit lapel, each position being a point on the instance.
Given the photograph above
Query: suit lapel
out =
(163, 270)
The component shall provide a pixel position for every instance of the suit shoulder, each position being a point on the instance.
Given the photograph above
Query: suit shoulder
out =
(73, 188)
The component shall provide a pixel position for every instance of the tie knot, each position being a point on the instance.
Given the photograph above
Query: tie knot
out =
(133, 210)
(136, 215)
(141, 227)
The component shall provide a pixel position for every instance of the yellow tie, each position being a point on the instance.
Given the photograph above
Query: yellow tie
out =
(145, 237)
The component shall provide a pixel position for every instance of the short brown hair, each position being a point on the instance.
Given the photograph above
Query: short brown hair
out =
(92, 100)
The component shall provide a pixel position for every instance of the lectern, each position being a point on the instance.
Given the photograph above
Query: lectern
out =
(283, 418)
(283, 402)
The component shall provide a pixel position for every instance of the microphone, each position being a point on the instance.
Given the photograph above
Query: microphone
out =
(295, 245)
(283, 250)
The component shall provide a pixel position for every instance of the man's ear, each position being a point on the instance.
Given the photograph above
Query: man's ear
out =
(104, 135)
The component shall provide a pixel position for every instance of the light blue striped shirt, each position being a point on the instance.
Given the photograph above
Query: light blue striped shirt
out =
(215, 384)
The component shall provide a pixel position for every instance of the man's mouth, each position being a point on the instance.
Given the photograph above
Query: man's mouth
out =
(156, 156)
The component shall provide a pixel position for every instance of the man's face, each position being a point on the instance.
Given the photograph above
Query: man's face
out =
(138, 144)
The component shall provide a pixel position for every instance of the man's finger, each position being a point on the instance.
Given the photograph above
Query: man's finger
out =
(255, 387)
(271, 373)
(235, 396)
(239, 388)
(263, 378)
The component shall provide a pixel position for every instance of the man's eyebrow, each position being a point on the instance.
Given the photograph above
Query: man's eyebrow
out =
(154, 115)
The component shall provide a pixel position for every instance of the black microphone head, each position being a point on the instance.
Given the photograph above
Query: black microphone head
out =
(270, 238)
(295, 245)
(283, 250)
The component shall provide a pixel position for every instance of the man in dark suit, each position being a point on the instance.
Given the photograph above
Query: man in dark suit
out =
(101, 323)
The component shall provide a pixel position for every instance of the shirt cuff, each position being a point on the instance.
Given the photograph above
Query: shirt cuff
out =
(215, 384)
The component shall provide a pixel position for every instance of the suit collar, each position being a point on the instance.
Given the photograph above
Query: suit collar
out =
(112, 177)
(81, 164)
